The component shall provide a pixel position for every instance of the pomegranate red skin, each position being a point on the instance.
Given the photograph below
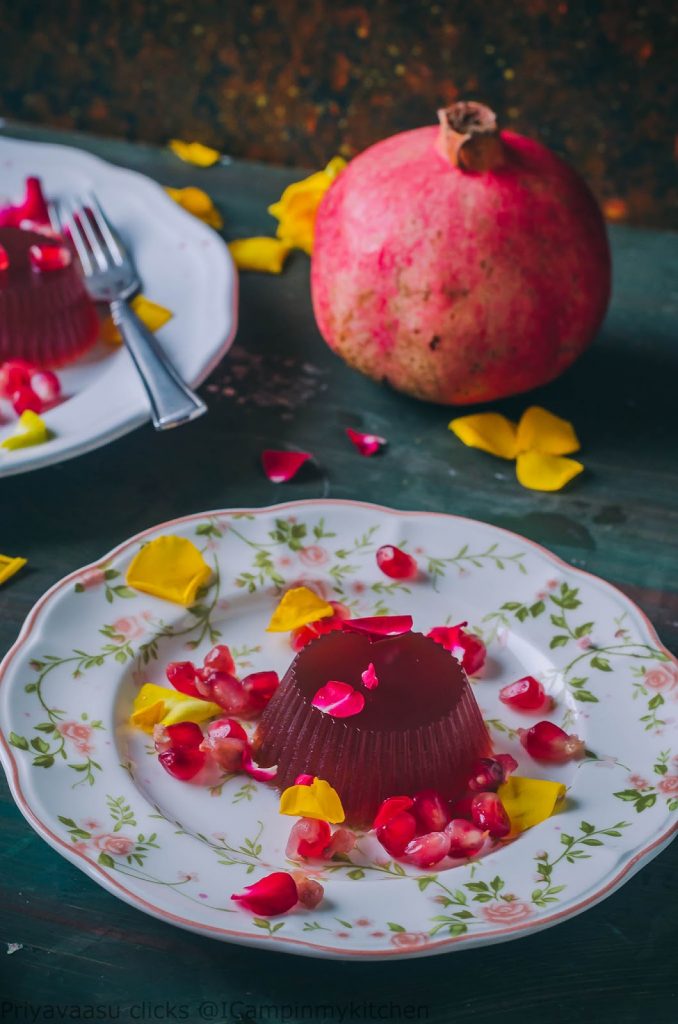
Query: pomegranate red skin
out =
(459, 286)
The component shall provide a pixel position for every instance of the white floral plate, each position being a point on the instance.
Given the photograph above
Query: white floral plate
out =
(91, 787)
(183, 265)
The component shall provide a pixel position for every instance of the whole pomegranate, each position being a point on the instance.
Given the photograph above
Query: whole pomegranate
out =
(459, 264)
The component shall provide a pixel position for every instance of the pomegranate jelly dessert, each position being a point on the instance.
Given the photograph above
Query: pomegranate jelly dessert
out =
(46, 315)
(419, 729)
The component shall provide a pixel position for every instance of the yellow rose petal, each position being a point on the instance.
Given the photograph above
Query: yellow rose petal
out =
(31, 430)
(197, 202)
(298, 205)
(150, 313)
(541, 431)
(540, 472)
(171, 568)
(318, 800)
(155, 705)
(259, 253)
(529, 801)
(194, 153)
(296, 608)
(10, 566)
(146, 718)
(489, 431)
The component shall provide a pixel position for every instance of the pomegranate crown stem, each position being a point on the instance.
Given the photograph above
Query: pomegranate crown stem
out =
(469, 137)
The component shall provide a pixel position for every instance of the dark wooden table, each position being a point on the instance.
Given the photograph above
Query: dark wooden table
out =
(81, 946)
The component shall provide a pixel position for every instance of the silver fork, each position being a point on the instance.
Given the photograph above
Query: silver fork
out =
(111, 277)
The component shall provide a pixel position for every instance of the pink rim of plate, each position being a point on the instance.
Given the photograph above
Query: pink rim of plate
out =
(245, 938)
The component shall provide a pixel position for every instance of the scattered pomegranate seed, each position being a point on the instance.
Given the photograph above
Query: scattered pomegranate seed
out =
(396, 564)
(259, 687)
(486, 774)
(225, 690)
(46, 258)
(367, 444)
(181, 675)
(182, 763)
(467, 648)
(487, 812)
(526, 694)
(304, 780)
(46, 385)
(461, 808)
(431, 810)
(546, 741)
(14, 374)
(226, 741)
(390, 807)
(309, 838)
(220, 659)
(427, 850)
(369, 677)
(274, 894)
(342, 841)
(396, 833)
(280, 466)
(508, 764)
(338, 699)
(309, 892)
(466, 839)
(183, 735)
(25, 398)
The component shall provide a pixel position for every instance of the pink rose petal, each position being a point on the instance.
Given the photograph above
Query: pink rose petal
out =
(338, 699)
(281, 466)
(260, 774)
(369, 677)
(367, 444)
(379, 625)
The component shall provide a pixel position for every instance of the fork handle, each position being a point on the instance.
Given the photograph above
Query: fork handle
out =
(172, 402)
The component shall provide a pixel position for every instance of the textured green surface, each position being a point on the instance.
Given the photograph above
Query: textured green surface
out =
(281, 385)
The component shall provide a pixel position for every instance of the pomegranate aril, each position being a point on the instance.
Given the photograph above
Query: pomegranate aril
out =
(46, 385)
(274, 894)
(546, 741)
(181, 675)
(220, 659)
(487, 812)
(526, 694)
(508, 764)
(467, 648)
(47, 258)
(14, 374)
(390, 807)
(304, 779)
(185, 735)
(431, 810)
(225, 690)
(309, 838)
(309, 892)
(466, 839)
(226, 742)
(342, 841)
(461, 808)
(183, 763)
(396, 563)
(427, 850)
(25, 398)
(486, 774)
(397, 833)
(259, 688)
